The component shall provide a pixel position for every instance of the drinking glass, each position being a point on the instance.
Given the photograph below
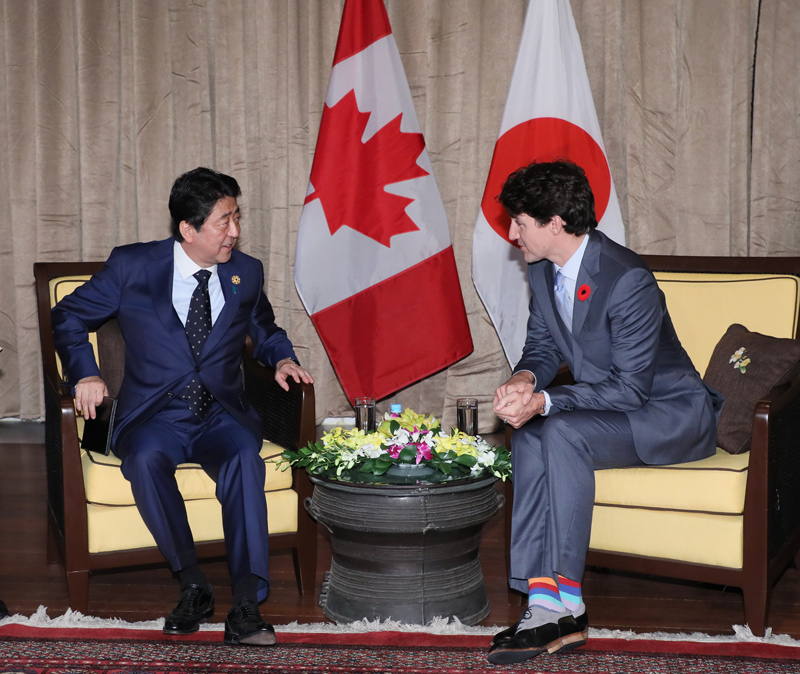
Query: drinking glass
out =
(366, 414)
(467, 415)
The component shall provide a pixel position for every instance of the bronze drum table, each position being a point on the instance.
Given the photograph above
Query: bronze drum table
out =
(405, 552)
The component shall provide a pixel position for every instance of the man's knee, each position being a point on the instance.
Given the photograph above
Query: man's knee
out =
(145, 459)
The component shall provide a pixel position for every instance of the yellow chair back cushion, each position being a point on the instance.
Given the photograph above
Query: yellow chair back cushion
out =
(703, 306)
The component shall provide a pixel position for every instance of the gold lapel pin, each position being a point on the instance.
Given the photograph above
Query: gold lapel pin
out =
(236, 280)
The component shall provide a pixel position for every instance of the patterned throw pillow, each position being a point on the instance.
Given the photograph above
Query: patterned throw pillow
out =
(744, 367)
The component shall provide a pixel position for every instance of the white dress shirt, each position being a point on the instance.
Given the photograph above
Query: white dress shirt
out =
(184, 283)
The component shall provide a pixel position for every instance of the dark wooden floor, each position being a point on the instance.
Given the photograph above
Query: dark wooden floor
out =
(614, 600)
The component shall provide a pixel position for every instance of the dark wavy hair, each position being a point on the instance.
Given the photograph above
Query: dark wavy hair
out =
(194, 195)
(543, 190)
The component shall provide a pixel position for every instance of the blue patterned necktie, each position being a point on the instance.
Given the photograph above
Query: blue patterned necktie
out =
(198, 325)
(563, 300)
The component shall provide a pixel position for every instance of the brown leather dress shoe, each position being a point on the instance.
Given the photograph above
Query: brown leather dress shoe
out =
(245, 626)
(558, 637)
(196, 603)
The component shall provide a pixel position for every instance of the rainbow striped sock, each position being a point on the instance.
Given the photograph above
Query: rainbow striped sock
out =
(543, 593)
(544, 604)
(571, 596)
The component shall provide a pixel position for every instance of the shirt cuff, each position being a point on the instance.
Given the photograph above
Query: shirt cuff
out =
(547, 404)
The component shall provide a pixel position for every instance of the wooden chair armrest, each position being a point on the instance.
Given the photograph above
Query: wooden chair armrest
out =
(287, 418)
(774, 470)
(65, 488)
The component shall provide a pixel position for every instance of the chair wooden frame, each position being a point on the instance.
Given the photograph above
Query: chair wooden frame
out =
(287, 419)
(772, 498)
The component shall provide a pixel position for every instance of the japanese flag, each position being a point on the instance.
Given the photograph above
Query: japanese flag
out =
(374, 265)
(549, 115)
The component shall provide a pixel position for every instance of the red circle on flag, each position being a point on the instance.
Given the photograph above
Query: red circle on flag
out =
(544, 139)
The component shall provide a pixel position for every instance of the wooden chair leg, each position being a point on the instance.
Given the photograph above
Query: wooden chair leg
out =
(78, 590)
(305, 552)
(305, 567)
(756, 607)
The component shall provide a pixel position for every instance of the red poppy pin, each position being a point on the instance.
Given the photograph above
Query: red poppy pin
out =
(583, 292)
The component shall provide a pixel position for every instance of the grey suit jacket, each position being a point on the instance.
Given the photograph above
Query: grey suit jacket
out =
(623, 353)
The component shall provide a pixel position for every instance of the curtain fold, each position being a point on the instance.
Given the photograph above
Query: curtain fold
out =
(106, 102)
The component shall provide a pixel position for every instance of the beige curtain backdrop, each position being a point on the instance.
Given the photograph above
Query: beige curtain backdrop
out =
(105, 102)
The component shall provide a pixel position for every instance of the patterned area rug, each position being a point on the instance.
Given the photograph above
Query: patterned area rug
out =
(123, 651)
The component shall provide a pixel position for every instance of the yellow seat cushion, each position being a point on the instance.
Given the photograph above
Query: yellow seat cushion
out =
(114, 522)
(105, 484)
(697, 537)
(690, 511)
(713, 485)
(114, 528)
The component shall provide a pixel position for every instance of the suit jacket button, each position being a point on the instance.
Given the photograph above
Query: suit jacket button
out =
(170, 394)
(197, 368)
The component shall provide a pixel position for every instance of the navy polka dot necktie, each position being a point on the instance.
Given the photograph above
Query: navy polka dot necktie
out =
(198, 325)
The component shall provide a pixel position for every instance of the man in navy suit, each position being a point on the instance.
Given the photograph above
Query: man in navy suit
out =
(637, 399)
(185, 306)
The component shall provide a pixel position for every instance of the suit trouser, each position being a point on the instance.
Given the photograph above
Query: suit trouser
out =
(554, 459)
(229, 453)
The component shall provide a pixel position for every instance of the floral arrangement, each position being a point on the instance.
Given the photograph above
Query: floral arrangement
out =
(400, 442)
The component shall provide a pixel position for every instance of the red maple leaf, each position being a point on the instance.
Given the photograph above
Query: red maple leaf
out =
(350, 177)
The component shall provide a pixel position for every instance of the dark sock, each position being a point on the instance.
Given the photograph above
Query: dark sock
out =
(192, 575)
(246, 589)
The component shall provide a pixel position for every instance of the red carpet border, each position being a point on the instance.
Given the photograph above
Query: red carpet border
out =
(119, 651)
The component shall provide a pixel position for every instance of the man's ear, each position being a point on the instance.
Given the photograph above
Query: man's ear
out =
(188, 232)
(556, 224)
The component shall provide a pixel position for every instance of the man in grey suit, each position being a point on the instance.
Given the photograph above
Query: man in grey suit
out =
(637, 399)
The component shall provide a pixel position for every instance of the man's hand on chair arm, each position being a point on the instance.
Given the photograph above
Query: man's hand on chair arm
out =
(89, 393)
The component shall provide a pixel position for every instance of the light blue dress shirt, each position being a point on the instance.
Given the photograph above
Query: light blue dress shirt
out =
(570, 272)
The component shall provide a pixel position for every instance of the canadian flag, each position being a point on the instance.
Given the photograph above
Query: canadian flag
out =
(374, 265)
(549, 115)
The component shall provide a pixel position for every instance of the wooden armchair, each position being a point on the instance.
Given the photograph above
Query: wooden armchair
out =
(92, 520)
(729, 520)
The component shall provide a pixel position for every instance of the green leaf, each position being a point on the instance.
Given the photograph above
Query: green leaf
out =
(466, 460)
(383, 465)
(407, 455)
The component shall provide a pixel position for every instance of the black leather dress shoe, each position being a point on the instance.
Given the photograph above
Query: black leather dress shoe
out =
(245, 626)
(3, 610)
(508, 633)
(557, 637)
(196, 603)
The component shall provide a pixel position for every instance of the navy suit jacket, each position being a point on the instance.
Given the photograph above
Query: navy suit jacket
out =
(135, 286)
(623, 353)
